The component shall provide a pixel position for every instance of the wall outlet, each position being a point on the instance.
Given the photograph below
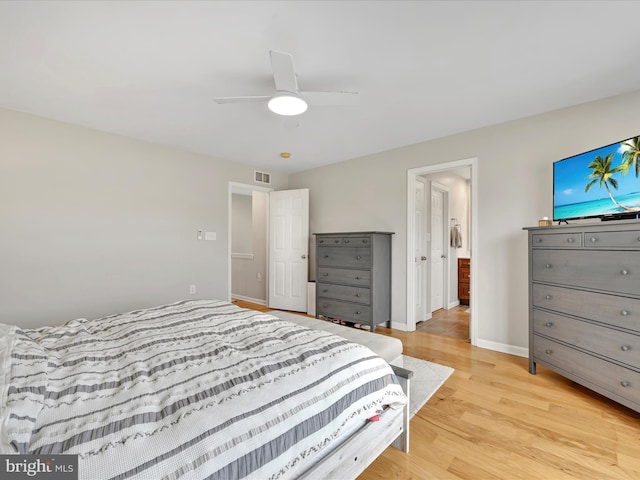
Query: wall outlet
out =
(192, 289)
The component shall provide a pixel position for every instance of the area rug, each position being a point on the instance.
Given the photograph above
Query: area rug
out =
(428, 377)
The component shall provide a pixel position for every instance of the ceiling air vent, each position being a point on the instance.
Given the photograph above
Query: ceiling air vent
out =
(261, 177)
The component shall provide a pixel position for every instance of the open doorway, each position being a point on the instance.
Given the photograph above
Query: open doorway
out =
(248, 241)
(268, 246)
(462, 218)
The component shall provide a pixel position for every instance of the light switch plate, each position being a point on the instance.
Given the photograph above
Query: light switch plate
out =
(209, 235)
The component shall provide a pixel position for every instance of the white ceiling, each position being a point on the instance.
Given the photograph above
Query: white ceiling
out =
(424, 69)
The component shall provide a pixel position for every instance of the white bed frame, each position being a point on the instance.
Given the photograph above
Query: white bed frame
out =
(357, 452)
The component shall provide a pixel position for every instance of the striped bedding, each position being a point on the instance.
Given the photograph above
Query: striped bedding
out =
(196, 389)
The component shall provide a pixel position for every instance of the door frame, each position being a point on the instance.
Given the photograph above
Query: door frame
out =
(242, 189)
(412, 173)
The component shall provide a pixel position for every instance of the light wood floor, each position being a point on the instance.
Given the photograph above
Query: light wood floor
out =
(449, 323)
(493, 420)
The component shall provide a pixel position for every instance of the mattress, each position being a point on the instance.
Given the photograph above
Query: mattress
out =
(389, 348)
(195, 389)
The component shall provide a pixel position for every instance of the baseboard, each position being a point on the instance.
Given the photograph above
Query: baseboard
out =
(398, 326)
(503, 348)
(249, 299)
(453, 304)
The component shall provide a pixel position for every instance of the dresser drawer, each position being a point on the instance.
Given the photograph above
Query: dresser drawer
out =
(344, 276)
(339, 241)
(613, 271)
(612, 378)
(570, 240)
(610, 309)
(344, 257)
(344, 292)
(329, 241)
(628, 239)
(613, 344)
(364, 242)
(464, 274)
(344, 310)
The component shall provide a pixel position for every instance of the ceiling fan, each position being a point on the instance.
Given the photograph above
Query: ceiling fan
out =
(288, 99)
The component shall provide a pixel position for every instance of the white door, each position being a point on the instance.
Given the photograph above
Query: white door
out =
(438, 248)
(288, 249)
(420, 255)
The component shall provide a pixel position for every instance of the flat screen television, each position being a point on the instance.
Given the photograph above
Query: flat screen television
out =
(604, 183)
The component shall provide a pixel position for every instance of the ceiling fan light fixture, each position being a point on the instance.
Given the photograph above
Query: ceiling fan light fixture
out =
(288, 104)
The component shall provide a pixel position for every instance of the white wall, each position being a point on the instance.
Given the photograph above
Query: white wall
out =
(93, 223)
(241, 224)
(514, 190)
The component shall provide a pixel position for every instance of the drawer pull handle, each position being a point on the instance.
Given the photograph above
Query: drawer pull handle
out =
(357, 277)
(548, 265)
(320, 241)
(625, 384)
(336, 241)
(346, 240)
(324, 306)
(625, 348)
(624, 313)
(358, 257)
(325, 256)
(548, 297)
(325, 274)
(325, 290)
(624, 272)
(570, 240)
(539, 240)
(357, 313)
(593, 239)
(548, 324)
(358, 295)
(548, 351)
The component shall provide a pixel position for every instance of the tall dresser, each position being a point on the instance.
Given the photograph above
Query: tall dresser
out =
(584, 305)
(353, 277)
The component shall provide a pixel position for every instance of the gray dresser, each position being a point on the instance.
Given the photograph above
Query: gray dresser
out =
(353, 277)
(584, 305)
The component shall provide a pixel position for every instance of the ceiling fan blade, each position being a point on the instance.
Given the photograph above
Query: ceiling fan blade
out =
(284, 74)
(327, 99)
(261, 98)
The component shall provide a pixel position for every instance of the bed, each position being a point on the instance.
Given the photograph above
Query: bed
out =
(389, 348)
(197, 389)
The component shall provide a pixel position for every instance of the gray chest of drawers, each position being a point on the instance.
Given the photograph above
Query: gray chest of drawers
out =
(584, 305)
(354, 277)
